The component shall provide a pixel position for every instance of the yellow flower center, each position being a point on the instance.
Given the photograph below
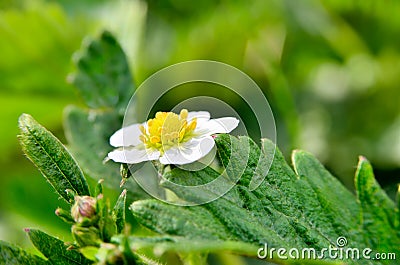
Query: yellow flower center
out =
(167, 129)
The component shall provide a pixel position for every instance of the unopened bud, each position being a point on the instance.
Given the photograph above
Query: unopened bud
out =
(84, 208)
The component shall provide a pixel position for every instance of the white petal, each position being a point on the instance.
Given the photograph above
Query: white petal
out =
(221, 125)
(127, 136)
(188, 152)
(200, 115)
(133, 156)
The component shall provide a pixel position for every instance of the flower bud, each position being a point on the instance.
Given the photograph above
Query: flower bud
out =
(84, 208)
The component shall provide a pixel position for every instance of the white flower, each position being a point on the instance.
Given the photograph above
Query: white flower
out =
(169, 137)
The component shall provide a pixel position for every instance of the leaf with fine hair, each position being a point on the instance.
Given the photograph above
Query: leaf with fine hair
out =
(11, 255)
(55, 250)
(302, 208)
(51, 157)
(88, 133)
(103, 76)
(118, 212)
(105, 82)
(377, 210)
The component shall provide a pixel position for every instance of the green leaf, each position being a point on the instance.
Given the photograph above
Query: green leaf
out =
(104, 79)
(377, 210)
(191, 222)
(107, 226)
(201, 192)
(118, 212)
(397, 221)
(88, 133)
(11, 255)
(130, 256)
(183, 245)
(55, 250)
(194, 248)
(331, 196)
(103, 76)
(117, 252)
(89, 252)
(51, 157)
(301, 208)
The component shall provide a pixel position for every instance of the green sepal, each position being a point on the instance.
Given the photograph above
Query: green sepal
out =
(86, 236)
(64, 215)
(106, 223)
(89, 252)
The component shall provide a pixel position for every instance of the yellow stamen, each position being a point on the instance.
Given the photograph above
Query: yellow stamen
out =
(142, 129)
(154, 139)
(192, 125)
(181, 134)
(184, 114)
(167, 129)
(143, 138)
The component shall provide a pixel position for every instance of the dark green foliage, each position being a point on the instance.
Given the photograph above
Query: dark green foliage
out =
(377, 210)
(184, 245)
(304, 208)
(397, 219)
(87, 132)
(10, 255)
(52, 159)
(106, 84)
(106, 224)
(118, 212)
(190, 222)
(267, 202)
(55, 250)
(336, 211)
(103, 75)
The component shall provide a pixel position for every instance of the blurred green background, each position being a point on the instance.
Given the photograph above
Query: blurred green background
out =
(330, 70)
